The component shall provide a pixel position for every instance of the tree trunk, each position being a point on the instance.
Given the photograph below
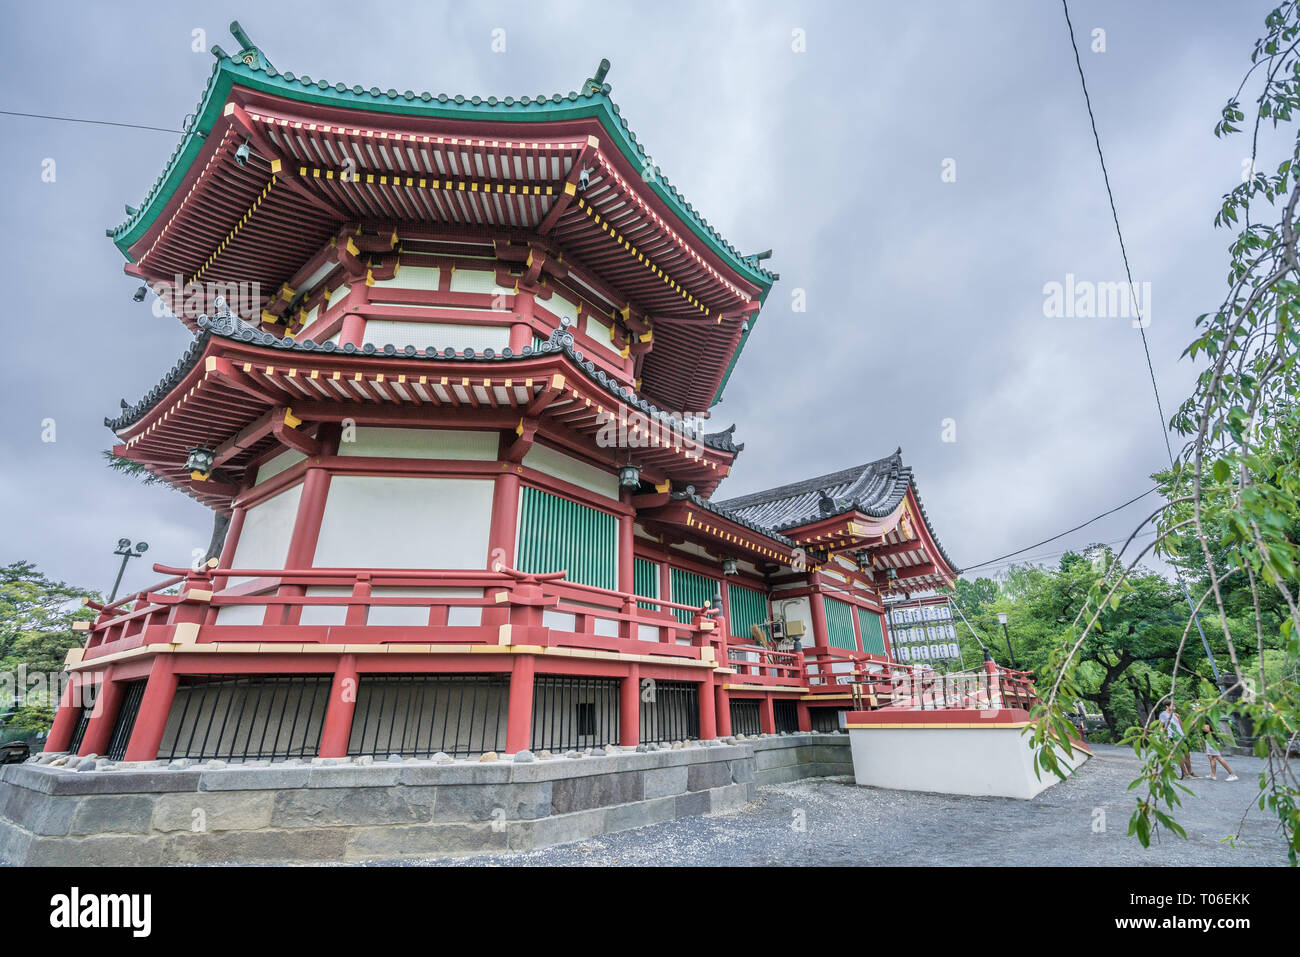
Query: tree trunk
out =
(220, 526)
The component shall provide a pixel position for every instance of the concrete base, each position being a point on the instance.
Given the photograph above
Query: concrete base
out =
(965, 759)
(338, 810)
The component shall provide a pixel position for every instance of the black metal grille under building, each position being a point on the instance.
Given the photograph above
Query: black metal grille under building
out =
(241, 718)
(744, 716)
(125, 722)
(670, 711)
(572, 713)
(83, 719)
(420, 715)
(825, 720)
(785, 714)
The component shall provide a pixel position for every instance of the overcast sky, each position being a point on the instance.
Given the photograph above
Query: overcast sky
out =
(925, 298)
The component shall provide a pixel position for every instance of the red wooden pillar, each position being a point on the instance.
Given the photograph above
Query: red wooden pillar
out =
(723, 709)
(501, 534)
(155, 706)
(805, 717)
(519, 720)
(821, 634)
(708, 724)
(339, 709)
(766, 715)
(65, 719)
(302, 543)
(627, 566)
(99, 731)
(521, 332)
(629, 708)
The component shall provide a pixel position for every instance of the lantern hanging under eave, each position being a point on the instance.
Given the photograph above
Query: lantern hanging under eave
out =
(728, 566)
(199, 463)
(629, 476)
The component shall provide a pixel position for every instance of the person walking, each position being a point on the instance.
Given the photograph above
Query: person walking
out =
(1174, 727)
(1212, 752)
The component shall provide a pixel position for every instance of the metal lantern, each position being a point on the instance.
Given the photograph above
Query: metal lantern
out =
(629, 476)
(200, 462)
(864, 560)
(728, 566)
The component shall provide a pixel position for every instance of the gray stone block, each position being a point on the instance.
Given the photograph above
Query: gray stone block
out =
(36, 812)
(110, 851)
(354, 776)
(731, 798)
(742, 772)
(15, 843)
(692, 803)
(622, 817)
(332, 807)
(423, 840)
(470, 802)
(702, 777)
(235, 778)
(598, 790)
(563, 828)
(113, 814)
(659, 782)
(221, 811)
(267, 846)
(429, 773)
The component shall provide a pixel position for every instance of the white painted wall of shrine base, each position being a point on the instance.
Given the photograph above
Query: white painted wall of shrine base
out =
(994, 762)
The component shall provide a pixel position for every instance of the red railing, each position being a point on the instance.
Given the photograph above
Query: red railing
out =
(393, 607)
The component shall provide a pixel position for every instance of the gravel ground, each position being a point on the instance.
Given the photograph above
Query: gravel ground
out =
(846, 824)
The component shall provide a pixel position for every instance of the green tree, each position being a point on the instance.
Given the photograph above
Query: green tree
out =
(36, 616)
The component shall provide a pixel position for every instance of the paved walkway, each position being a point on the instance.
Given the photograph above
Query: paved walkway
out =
(846, 824)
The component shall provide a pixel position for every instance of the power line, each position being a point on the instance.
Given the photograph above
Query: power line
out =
(80, 119)
(1164, 428)
(1064, 533)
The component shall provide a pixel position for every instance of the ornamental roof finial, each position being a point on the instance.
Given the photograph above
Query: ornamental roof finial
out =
(596, 83)
(249, 52)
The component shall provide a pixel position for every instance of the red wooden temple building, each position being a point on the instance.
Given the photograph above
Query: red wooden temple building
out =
(450, 378)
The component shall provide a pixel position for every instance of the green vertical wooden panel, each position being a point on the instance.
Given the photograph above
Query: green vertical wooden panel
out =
(556, 534)
(873, 636)
(839, 624)
(747, 607)
(645, 581)
(691, 589)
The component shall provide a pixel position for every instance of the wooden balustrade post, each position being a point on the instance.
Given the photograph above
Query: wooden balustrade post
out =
(358, 612)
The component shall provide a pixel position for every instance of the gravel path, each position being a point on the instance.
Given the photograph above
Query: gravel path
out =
(846, 824)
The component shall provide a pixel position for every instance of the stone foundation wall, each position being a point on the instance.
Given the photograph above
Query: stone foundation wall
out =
(92, 812)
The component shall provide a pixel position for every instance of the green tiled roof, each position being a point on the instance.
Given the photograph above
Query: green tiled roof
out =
(259, 74)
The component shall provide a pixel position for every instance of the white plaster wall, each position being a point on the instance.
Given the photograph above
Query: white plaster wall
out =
(979, 761)
(411, 277)
(277, 464)
(558, 465)
(440, 335)
(264, 537)
(383, 522)
(477, 280)
(422, 444)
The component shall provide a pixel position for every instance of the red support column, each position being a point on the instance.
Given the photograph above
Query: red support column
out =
(521, 333)
(99, 731)
(519, 720)
(302, 543)
(805, 717)
(766, 715)
(65, 719)
(155, 706)
(723, 710)
(629, 708)
(627, 567)
(501, 534)
(339, 709)
(708, 724)
(821, 634)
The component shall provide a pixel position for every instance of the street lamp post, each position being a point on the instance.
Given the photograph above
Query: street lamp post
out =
(127, 551)
(1002, 619)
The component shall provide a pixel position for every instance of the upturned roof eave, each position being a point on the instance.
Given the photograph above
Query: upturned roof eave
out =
(593, 104)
